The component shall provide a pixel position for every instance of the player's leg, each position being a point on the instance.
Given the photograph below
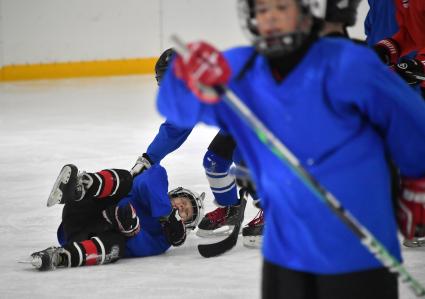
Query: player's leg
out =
(370, 284)
(107, 247)
(83, 219)
(217, 162)
(278, 282)
(74, 186)
(253, 232)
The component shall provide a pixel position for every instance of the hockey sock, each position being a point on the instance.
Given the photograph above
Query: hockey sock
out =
(96, 251)
(109, 183)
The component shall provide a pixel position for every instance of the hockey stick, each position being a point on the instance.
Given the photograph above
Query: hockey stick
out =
(214, 249)
(416, 76)
(284, 154)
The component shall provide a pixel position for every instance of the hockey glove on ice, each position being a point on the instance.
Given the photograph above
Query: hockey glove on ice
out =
(411, 208)
(123, 218)
(142, 163)
(203, 68)
(174, 228)
(407, 68)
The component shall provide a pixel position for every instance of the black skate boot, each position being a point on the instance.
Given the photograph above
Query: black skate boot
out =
(69, 186)
(253, 232)
(51, 258)
(222, 217)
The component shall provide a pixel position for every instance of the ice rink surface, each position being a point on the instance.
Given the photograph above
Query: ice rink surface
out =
(101, 123)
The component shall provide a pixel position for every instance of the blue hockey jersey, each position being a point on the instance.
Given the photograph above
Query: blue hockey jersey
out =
(149, 197)
(343, 114)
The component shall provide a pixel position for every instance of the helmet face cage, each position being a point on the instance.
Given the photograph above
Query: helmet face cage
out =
(162, 64)
(283, 43)
(197, 205)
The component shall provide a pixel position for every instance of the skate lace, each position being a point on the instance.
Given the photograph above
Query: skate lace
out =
(84, 181)
(218, 215)
(258, 219)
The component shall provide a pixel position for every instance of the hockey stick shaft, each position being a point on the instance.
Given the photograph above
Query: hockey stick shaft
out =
(285, 155)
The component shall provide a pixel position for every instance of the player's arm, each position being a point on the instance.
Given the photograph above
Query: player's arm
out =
(168, 139)
(152, 187)
(179, 94)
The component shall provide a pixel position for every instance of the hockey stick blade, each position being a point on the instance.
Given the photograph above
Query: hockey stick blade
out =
(215, 249)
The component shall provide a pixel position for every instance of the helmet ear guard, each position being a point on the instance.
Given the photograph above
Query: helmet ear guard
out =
(197, 205)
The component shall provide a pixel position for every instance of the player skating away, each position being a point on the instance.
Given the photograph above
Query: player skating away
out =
(408, 38)
(108, 215)
(342, 113)
(221, 154)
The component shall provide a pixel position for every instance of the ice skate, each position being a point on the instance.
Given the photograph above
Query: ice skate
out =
(219, 222)
(415, 242)
(50, 258)
(69, 186)
(253, 232)
(65, 186)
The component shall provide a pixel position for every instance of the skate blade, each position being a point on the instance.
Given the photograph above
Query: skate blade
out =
(56, 194)
(253, 241)
(219, 232)
(414, 243)
(26, 260)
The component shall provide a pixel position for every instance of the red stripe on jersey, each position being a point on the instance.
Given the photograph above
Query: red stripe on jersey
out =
(108, 183)
(91, 252)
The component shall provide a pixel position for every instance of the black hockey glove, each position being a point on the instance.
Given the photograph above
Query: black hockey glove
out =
(142, 163)
(123, 219)
(174, 228)
(408, 68)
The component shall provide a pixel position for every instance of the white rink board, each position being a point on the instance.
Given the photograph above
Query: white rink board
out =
(47, 31)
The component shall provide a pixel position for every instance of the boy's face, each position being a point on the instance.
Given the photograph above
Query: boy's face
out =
(275, 17)
(184, 206)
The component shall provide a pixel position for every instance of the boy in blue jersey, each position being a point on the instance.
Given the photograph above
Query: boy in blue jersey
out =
(221, 154)
(343, 114)
(108, 215)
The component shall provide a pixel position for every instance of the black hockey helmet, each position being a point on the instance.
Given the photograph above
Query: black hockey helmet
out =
(283, 43)
(161, 65)
(342, 11)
